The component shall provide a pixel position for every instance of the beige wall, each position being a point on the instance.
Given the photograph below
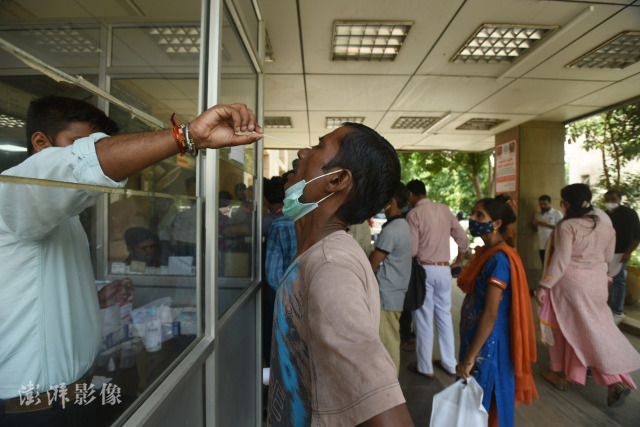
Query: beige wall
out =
(540, 171)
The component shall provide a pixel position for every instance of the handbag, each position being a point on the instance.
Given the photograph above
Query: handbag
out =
(459, 405)
(417, 290)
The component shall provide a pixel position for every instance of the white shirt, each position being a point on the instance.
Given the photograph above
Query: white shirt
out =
(50, 327)
(552, 217)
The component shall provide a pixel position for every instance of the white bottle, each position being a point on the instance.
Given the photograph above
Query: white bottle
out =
(152, 339)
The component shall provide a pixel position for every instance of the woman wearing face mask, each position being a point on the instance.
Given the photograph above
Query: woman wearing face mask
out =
(497, 338)
(573, 291)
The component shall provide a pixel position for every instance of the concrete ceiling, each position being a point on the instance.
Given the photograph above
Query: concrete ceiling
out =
(303, 83)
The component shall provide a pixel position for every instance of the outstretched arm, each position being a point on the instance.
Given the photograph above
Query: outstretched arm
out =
(121, 156)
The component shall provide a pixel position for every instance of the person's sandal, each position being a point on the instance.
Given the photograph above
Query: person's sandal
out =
(413, 367)
(556, 380)
(620, 393)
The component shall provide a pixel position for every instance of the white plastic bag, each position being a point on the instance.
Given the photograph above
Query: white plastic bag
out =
(460, 404)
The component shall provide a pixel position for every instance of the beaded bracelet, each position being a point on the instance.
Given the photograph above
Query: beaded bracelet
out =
(178, 135)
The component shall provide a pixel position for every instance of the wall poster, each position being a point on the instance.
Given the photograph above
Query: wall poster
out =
(506, 165)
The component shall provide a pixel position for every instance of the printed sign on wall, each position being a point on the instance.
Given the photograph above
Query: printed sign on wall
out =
(506, 164)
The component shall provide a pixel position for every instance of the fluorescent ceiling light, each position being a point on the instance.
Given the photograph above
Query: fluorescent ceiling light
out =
(184, 39)
(7, 121)
(336, 122)
(278, 122)
(500, 43)
(616, 53)
(368, 40)
(417, 123)
(13, 148)
(64, 40)
(480, 124)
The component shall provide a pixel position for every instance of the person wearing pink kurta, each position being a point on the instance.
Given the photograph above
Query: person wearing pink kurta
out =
(575, 284)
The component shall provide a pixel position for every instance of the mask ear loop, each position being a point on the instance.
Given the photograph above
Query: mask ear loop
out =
(325, 197)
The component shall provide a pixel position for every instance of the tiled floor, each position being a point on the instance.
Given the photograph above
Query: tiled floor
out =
(579, 406)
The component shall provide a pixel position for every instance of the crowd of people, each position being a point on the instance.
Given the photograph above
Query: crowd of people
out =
(332, 307)
(325, 314)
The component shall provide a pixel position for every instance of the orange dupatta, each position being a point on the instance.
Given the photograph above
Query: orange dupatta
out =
(523, 336)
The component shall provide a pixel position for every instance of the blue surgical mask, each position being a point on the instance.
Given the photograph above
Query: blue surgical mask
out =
(295, 209)
(480, 228)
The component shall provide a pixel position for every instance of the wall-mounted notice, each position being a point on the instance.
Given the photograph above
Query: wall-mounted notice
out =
(506, 164)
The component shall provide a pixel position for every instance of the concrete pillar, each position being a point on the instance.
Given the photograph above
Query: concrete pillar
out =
(540, 170)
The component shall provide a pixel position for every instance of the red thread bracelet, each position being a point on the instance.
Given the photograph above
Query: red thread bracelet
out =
(178, 135)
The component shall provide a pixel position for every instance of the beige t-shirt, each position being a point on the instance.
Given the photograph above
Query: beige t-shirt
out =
(328, 365)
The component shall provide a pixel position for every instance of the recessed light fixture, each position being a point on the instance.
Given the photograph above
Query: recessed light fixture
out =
(278, 122)
(500, 43)
(64, 40)
(417, 123)
(480, 124)
(616, 53)
(336, 122)
(7, 121)
(178, 40)
(368, 40)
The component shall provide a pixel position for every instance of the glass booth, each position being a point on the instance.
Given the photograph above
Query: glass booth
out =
(181, 235)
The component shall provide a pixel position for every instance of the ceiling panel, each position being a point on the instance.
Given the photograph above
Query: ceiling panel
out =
(284, 92)
(511, 120)
(349, 92)
(453, 143)
(614, 23)
(476, 13)
(537, 96)
(612, 93)
(446, 93)
(318, 118)
(281, 20)
(298, 120)
(430, 19)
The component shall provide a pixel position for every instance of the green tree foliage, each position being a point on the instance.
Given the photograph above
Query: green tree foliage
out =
(456, 179)
(616, 136)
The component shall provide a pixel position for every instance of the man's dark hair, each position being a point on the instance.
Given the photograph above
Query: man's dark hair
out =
(401, 195)
(53, 114)
(241, 186)
(375, 169)
(614, 191)
(499, 208)
(136, 235)
(417, 187)
(544, 197)
(274, 189)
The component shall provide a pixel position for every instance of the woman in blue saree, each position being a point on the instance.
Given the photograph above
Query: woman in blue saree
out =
(497, 338)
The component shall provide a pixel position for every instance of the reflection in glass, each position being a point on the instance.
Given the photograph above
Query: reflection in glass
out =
(139, 301)
(237, 171)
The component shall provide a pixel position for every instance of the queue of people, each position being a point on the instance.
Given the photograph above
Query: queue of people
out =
(498, 338)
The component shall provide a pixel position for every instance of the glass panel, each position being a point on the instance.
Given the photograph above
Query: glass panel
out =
(237, 173)
(65, 47)
(18, 92)
(173, 45)
(146, 302)
(121, 299)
